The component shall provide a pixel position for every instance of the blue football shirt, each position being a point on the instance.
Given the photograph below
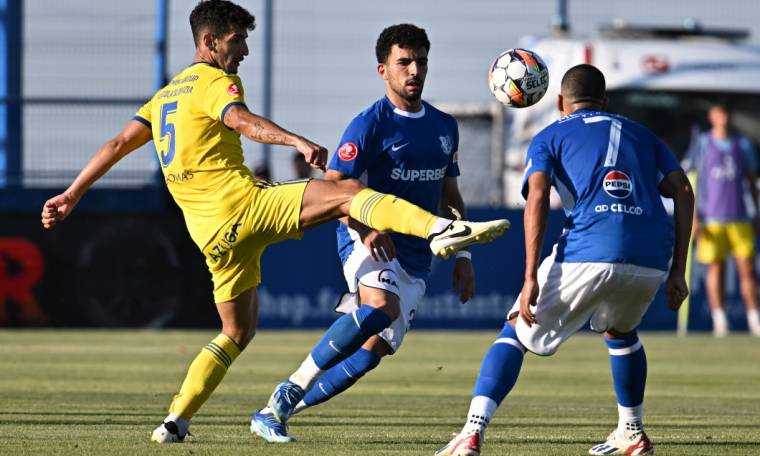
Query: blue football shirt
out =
(606, 169)
(404, 154)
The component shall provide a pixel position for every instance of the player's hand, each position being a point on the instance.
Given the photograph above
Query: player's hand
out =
(676, 290)
(528, 298)
(314, 154)
(56, 209)
(464, 279)
(380, 245)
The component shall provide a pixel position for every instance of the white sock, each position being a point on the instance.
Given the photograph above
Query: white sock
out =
(301, 406)
(183, 424)
(439, 225)
(306, 374)
(720, 323)
(630, 418)
(753, 321)
(479, 415)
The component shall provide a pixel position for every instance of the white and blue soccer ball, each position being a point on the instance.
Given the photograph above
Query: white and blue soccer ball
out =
(518, 78)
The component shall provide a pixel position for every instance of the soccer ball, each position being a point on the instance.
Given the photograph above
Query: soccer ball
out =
(518, 78)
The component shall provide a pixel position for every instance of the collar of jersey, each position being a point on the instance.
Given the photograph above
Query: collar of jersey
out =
(402, 113)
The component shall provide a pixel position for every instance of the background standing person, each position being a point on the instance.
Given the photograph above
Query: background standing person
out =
(726, 165)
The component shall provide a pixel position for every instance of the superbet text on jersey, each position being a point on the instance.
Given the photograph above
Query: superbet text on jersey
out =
(407, 154)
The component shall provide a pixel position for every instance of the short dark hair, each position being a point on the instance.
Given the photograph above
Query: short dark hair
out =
(584, 83)
(407, 36)
(219, 17)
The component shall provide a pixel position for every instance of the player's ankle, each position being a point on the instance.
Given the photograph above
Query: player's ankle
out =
(438, 226)
(306, 374)
(183, 424)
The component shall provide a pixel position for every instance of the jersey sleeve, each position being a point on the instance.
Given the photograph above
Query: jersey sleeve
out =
(143, 114)
(452, 170)
(223, 93)
(356, 149)
(664, 160)
(538, 159)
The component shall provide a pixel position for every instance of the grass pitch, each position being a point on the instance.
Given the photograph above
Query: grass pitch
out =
(102, 392)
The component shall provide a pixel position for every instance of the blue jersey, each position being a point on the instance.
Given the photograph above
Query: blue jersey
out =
(607, 169)
(404, 154)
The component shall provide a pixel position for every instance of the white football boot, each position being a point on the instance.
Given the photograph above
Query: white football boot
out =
(167, 432)
(460, 233)
(626, 442)
(462, 445)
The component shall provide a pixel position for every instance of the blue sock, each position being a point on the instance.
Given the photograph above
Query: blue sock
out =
(341, 376)
(629, 369)
(347, 334)
(500, 367)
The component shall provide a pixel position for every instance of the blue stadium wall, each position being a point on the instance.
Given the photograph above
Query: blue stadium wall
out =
(126, 269)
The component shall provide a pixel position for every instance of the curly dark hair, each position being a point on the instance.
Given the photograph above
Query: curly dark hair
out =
(219, 17)
(407, 36)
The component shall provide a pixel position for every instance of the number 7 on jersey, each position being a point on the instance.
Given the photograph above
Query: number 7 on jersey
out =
(615, 128)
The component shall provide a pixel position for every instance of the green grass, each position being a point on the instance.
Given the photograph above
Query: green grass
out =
(102, 392)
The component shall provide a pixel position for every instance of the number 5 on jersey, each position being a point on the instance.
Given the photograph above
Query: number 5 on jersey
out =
(167, 128)
(615, 128)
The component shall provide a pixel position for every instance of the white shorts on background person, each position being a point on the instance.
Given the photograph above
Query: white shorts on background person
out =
(361, 268)
(610, 295)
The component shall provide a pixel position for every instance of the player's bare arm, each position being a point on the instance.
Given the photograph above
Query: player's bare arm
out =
(134, 135)
(535, 219)
(677, 186)
(263, 130)
(452, 207)
(379, 244)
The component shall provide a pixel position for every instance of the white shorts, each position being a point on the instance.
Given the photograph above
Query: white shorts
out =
(613, 296)
(361, 268)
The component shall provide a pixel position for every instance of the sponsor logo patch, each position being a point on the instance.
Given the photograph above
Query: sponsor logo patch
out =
(233, 89)
(348, 151)
(617, 184)
(387, 277)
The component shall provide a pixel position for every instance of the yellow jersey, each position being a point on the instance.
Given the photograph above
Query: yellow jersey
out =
(201, 158)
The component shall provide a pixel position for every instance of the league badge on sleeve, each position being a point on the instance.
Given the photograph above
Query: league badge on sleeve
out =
(233, 90)
(617, 184)
(348, 151)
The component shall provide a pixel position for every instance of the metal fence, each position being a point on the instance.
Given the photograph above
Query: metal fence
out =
(86, 67)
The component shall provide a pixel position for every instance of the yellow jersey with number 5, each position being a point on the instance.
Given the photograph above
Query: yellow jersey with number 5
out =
(201, 159)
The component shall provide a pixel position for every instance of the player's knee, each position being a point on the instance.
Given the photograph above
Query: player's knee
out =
(615, 334)
(387, 303)
(241, 333)
(351, 186)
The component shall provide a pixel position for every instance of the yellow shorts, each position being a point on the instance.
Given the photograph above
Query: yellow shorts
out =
(234, 255)
(720, 239)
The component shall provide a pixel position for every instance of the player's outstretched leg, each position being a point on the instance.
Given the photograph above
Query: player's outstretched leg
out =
(209, 368)
(629, 375)
(498, 374)
(328, 200)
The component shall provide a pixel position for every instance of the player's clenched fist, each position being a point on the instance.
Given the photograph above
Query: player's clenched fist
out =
(56, 209)
(314, 154)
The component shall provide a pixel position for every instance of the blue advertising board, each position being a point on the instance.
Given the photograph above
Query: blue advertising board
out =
(105, 269)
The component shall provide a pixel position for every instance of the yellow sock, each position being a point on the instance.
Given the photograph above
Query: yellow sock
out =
(203, 375)
(385, 212)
